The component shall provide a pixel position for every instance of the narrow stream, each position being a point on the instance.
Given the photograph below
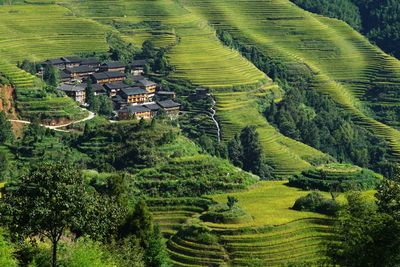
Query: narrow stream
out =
(213, 118)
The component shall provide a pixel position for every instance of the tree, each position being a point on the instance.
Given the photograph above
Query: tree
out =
(252, 157)
(156, 255)
(139, 224)
(148, 49)
(231, 202)
(52, 76)
(364, 234)
(46, 201)
(105, 105)
(6, 133)
(235, 151)
(89, 94)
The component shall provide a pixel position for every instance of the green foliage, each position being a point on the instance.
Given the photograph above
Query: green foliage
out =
(52, 76)
(6, 132)
(231, 202)
(85, 253)
(156, 255)
(140, 225)
(316, 202)
(198, 233)
(226, 214)
(362, 230)
(337, 177)
(377, 19)
(6, 252)
(340, 9)
(252, 157)
(45, 202)
(119, 49)
(316, 120)
(90, 95)
(192, 176)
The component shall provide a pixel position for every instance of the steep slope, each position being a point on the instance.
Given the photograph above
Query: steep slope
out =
(344, 64)
(200, 58)
(37, 32)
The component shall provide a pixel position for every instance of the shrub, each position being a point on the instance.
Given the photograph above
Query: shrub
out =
(317, 203)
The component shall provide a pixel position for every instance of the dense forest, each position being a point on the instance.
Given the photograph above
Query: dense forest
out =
(379, 20)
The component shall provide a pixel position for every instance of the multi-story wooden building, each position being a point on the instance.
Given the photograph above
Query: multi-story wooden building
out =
(113, 66)
(137, 67)
(107, 77)
(171, 107)
(136, 111)
(76, 92)
(114, 88)
(80, 72)
(134, 95)
(149, 86)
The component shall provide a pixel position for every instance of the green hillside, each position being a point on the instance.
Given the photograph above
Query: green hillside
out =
(344, 64)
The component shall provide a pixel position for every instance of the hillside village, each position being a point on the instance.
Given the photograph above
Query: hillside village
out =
(196, 133)
(139, 98)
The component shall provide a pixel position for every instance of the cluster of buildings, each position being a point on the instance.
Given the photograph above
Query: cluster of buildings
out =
(136, 97)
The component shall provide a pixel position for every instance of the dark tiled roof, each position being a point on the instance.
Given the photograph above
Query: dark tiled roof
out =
(90, 61)
(80, 69)
(71, 88)
(108, 75)
(168, 104)
(137, 78)
(54, 61)
(117, 85)
(166, 93)
(98, 88)
(146, 82)
(114, 65)
(133, 91)
(118, 99)
(152, 106)
(64, 75)
(100, 76)
(115, 74)
(139, 63)
(135, 109)
(72, 59)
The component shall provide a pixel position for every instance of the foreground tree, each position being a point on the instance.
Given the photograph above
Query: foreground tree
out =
(46, 201)
(365, 231)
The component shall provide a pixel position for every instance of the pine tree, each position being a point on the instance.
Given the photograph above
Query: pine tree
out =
(89, 94)
(235, 151)
(156, 255)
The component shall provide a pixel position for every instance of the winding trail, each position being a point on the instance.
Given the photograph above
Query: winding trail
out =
(57, 127)
(214, 112)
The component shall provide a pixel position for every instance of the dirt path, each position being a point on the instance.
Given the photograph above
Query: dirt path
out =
(57, 127)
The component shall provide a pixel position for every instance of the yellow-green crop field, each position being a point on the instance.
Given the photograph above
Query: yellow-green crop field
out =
(344, 63)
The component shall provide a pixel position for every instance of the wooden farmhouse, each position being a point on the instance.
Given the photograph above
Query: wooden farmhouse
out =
(91, 62)
(134, 95)
(79, 72)
(114, 88)
(154, 108)
(149, 86)
(71, 62)
(113, 66)
(136, 111)
(171, 107)
(76, 92)
(137, 67)
(108, 77)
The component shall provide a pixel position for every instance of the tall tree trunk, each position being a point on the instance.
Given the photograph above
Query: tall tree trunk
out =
(54, 254)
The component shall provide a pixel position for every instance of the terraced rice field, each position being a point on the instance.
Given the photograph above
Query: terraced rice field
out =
(36, 33)
(344, 64)
(277, 235)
